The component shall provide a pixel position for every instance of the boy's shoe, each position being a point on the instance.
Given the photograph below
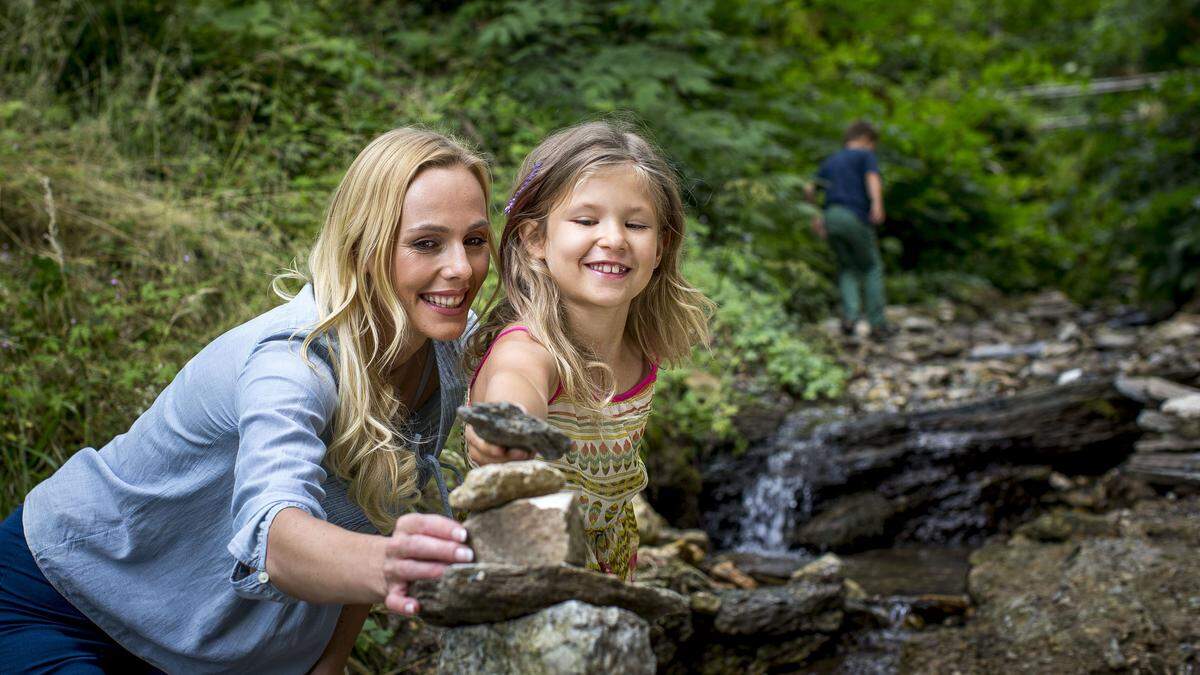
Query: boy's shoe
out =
(882, 333)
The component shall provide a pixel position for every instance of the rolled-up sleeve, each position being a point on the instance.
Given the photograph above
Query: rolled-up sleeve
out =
(283, 406)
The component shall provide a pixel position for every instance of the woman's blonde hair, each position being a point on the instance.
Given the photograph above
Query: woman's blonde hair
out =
(350, 269)
(665, 320)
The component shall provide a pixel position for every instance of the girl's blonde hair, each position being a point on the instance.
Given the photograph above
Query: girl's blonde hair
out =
(665, 320)
(350, 269)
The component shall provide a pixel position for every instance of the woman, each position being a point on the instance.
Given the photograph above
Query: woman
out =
(236, 524)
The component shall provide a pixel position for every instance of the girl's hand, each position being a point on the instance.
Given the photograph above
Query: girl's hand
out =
(421, 547)
(481, 452)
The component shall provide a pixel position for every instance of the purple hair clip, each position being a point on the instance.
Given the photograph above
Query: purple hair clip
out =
(524, 184)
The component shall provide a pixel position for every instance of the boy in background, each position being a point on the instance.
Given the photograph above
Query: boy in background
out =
(853, 208)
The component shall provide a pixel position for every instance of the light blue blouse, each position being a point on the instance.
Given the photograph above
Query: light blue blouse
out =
(160, 536)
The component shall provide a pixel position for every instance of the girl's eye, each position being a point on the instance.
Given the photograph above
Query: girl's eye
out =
(637, 226)
(585, 221)
(477, 241)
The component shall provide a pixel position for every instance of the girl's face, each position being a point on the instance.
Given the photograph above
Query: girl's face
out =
(602, 242)
(441, 255)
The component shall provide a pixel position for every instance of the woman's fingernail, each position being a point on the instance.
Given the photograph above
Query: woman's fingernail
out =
(409, 607)
(460, 534)
(464, 554)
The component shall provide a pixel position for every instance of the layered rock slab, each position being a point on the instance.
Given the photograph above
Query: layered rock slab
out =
(569, 637)
(487, 593)
(505, 424)
(546, 530)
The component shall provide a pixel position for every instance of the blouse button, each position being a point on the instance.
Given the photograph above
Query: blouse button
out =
(263, 577)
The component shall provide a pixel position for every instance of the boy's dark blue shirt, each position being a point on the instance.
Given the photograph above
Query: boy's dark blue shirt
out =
(844, 177)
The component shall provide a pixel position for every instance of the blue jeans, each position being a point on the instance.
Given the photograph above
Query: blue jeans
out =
(40, 632)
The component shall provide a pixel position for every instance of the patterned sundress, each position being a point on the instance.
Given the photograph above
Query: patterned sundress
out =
(605, 468)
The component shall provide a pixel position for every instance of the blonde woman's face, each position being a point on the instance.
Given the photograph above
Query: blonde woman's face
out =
(441, 253)
(602, 243)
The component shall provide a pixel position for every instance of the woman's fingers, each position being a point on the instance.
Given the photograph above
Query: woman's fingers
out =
(398, 601)
(425, 547)
(405, 570)
(432, 525)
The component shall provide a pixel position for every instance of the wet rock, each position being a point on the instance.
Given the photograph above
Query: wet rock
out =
(850, 520)
(1063, 525)
(780, 610)
(704, 602)
(929, 375)
(756, 658)
(1051, 305)
(1167, 468)
(545, 530)
(1178, 329)
(1156, 422)
(570, 637)
(765, 568)
(1005, 350)
(1108, 338)
(824, 569)
(506, 425)
(1184, 407)
(487, 593)
(496, 484)
(1070, 376)
(1167, 444)
(1151, 390)
(1085, 605)
(918, 324)
(672, 574)
(728, 572)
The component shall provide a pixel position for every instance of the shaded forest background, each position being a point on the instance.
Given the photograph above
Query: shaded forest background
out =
(159, 161)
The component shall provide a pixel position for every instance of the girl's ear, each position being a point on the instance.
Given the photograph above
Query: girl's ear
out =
(533, 240)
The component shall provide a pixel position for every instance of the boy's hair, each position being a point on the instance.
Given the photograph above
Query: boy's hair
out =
(665, 320)
(861, 129)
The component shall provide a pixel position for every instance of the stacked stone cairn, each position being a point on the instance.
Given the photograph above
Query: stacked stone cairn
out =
(1168, 453)
(527, 604)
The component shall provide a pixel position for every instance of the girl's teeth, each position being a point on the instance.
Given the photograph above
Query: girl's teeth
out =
(609, 269)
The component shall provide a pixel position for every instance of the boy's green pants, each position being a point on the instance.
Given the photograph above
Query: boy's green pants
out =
(859, 266)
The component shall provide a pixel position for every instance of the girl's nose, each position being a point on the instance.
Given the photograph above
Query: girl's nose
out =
(612, 235)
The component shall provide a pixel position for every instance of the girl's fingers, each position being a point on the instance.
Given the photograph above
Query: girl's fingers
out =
(481, 451)
(425, 547)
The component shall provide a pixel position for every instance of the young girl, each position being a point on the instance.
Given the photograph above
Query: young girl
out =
(589, 261)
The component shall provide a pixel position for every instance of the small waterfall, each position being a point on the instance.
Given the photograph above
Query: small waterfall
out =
(783, 496)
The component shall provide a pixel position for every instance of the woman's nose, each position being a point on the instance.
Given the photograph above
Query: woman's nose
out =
(457, 265)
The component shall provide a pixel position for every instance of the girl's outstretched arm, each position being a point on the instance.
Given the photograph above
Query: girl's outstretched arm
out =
(518, 370)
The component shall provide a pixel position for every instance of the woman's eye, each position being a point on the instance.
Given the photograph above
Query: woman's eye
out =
(425, 245)
(477, 241)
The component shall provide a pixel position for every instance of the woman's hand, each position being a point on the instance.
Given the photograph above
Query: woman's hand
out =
(481, 452)
(420, 547)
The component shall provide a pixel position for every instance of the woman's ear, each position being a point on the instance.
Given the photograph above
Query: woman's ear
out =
(532, 239)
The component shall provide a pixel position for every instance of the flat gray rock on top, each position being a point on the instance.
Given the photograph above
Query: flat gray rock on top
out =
(494, 485)
(506, 425)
